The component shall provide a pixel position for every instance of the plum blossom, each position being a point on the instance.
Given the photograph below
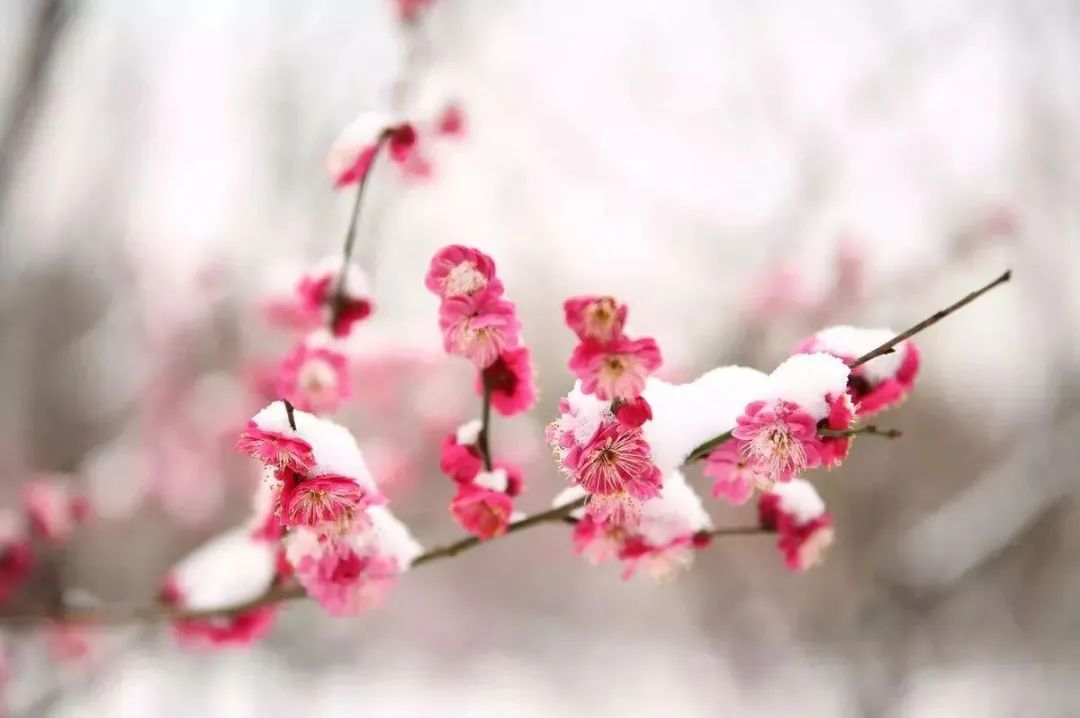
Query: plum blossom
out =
(617, 369)
(633, 413)
(734, 477)
(880, 383)
(232, 568)
(660, 543)
(351, 573)
(315, 377)
(53, 510)
(482, 511)
(310, 301)
(797, 513)
(451, 121)
(616, 469)
(325, 502)
(459, 271)
(479, 326)
(834, 449)
(461, 462)
(353, 152)
(593, 318)
(510, 380)
(778, 441)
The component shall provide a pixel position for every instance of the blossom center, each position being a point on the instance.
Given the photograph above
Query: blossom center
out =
(317, 376)
(464, 278)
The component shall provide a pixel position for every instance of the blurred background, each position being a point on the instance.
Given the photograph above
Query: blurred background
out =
(741, 174)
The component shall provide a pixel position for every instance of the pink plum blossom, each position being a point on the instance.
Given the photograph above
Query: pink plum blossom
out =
(797, 513)
(314, 378)
(633, 413)
(834, 449)
(451, 121)
(479, 327)
(329, 501)
(593, 318)
(16, 555)
(344, 577)
(275, 449)
(458, 271)
(483, 512)
(351, 156)
(616, 370)
(778, 440)
(241, 629)
(510, 380)
(616, 469)
(311, 302)
(734, 478)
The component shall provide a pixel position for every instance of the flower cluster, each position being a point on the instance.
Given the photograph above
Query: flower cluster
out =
(483, 505)
(480, 324)
(879, 384)
(323, 496)
(609, 364)
(795, 511)
(660, 543)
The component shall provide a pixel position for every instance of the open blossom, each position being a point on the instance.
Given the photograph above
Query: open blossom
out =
(479, 327)
(482, 511)
(880, 383)
(351, 155)
(834, 449)
(350, 573)
(510, 379)
(598, 319)
(616, 469)
(314, 378)
(273, 442)
(734, 477)
(796, 512)
(616, 370)
(778, 440)
(328, 501)
(458, 271)
(660, 543)
(53, 510)
(230, 569)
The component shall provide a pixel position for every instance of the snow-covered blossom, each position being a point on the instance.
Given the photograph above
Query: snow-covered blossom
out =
(269, 439)
(458, 271)
(797, 513)
(310, 300)
(880, 383)
(660, 543)
(232, 568)
(633, 413)
(351, 155)
(617, 369)
(479, 326)
(511, 382)
(778, 441)
(734, 477)
(314, 376)
(594, 318)
(16, 554)
(460, 459)
(53, 509)
(327, 502)
(350, 573)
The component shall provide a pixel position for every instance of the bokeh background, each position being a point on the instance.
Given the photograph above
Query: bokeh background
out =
(741, 173)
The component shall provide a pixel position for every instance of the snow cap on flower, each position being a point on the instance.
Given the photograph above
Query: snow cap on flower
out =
(459, 271)
(469, 433)
(805, 380)
(797, 513)
(482, 511)
(314, 376)
(352, 153)
(53, 509)
(232, 568)
(461, 462)
(880, 383)
(510, 378)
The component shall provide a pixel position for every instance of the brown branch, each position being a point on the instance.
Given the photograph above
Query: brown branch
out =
(339, 300)
(290, 413)
(869, 429)
(482, 444)
(933, 319)
(705, 449)
(756, 530)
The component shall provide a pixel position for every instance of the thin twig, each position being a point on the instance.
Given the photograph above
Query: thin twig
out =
(290, 413)
(740, 531)
(338, 302)
(705, 449)
(933, 319)
(869, 429)
(482, 444)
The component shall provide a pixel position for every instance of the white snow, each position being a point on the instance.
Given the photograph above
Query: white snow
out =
(799, 499)
(853, 342)
(228, 569)
(495, 480)
(806, 379)
(468, 433)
